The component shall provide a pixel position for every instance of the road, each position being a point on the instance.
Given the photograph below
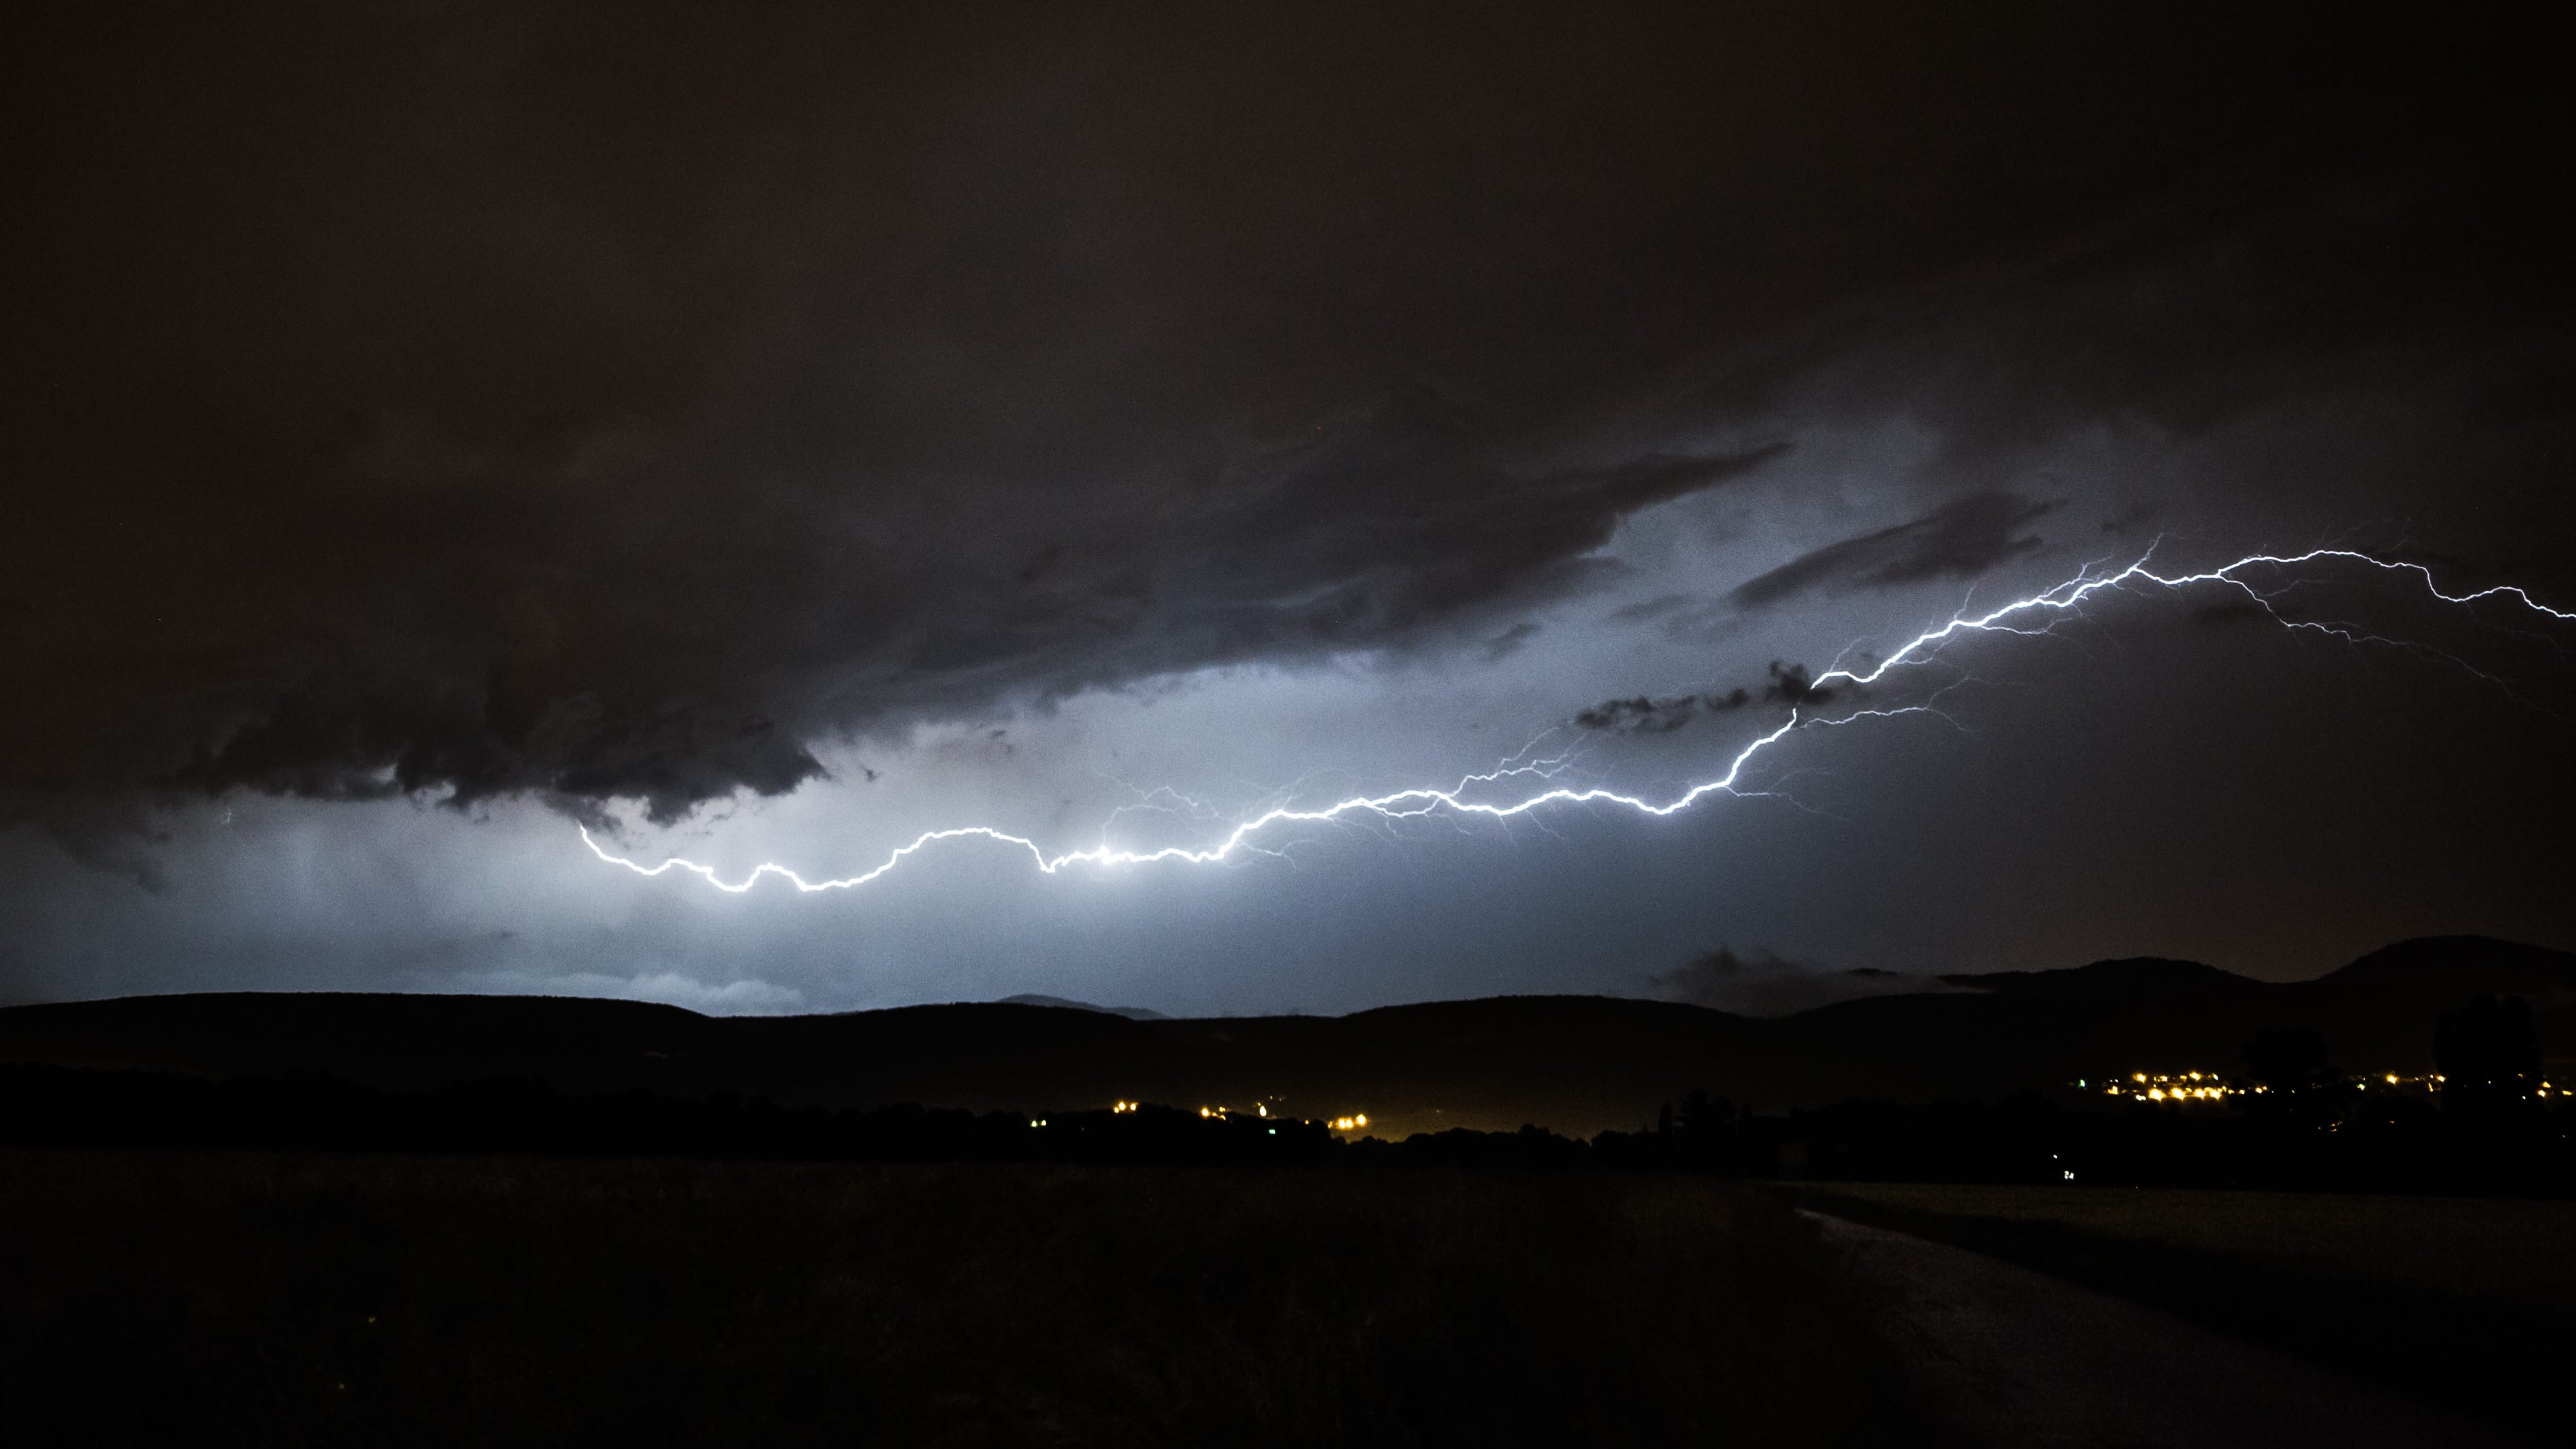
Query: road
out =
(2016, 1358)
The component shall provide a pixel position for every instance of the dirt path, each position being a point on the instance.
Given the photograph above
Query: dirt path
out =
(2017, 1358)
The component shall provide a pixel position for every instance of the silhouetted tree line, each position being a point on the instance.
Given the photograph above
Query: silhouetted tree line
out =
(2311, 1125)
(74, 1107)
(1532, 1146)
(51, 1106)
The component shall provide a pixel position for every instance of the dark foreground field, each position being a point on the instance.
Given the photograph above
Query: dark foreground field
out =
(282, 1299)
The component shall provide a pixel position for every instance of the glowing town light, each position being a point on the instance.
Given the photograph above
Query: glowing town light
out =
(2025, 617)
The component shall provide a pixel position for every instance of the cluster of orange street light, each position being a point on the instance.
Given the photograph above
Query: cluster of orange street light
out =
(2211, 1087)
(2174, 1087)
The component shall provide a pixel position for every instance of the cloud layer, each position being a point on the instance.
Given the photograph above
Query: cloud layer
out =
(449, 400)
(1960, 539)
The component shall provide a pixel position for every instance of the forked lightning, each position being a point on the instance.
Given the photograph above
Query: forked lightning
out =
(2033, 615)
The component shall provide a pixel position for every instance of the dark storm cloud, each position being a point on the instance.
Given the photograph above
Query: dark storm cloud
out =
(1790, 684)
(1962, 539)
(1670, 476)
(1762, 983)
(621, 400)
(1508, 643)
(1646, 611)
(1644, 716)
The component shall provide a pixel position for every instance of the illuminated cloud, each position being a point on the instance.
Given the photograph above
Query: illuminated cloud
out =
(426, 432)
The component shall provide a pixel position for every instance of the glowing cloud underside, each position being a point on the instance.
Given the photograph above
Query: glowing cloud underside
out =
(2034, 615)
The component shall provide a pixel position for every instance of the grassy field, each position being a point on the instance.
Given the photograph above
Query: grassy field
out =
(278, 1300)
(2468, 1301)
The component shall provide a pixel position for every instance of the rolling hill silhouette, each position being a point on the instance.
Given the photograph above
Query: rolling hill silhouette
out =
(1577, 1064)
(1132, 1013)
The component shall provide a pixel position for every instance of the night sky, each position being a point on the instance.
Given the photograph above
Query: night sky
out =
(765, 434)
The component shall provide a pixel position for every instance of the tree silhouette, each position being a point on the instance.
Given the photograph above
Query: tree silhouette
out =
(2489, 1057)
(2301, 1083)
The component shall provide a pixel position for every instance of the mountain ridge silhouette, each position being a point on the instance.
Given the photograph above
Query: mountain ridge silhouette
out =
(1573, 1063)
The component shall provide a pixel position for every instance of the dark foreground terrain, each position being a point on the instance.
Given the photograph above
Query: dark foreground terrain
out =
(2023, 1360)
(2462, 1302)
(278, 1299)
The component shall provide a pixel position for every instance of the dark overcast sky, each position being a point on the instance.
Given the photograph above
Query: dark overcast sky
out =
(769, 433)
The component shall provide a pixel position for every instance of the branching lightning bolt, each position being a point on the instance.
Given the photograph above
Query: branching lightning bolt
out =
(2032, 615)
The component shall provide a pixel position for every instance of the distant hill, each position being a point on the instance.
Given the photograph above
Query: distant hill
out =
(1574, 1063)
(1132, 1013)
